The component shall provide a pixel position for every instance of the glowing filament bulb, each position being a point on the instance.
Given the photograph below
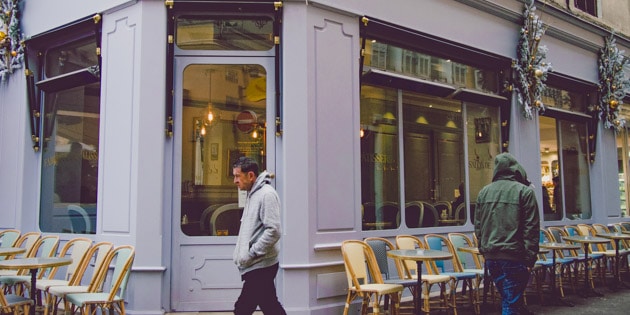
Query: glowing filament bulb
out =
(210, 116)
(203, 131)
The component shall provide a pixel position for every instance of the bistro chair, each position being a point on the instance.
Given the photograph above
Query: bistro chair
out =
(606, 251)
(469, 278)
(460, 213)
(79, 220)
(112, 300)
(365, 280)
(623, 244)
(16, 304)
(446, 283)
(76, 249)
(595, 258)
(96, 255)
(562, 267)
(8, 238)
(380, 246)
(26, 241)
(44, 247)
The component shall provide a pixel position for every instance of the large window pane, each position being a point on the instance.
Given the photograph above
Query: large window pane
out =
(565, 169)
(70, 160)
(379, 158)
(224, 117)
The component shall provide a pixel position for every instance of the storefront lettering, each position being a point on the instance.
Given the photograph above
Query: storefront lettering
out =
(479, 164)
(382, 162)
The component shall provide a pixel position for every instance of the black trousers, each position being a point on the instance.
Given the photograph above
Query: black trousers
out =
(259, 289)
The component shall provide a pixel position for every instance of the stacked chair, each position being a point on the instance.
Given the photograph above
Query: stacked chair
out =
(447, 284)
(470, 279)
(15, 279)
(380, 246)
(364, 279)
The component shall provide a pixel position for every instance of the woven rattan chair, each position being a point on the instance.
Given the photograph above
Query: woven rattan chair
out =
(365, 280)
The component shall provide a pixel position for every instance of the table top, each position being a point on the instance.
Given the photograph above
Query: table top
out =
(615, 236)
(554, 245)
(8, 251)
(585, 239)
(419, 254)
(34, 263)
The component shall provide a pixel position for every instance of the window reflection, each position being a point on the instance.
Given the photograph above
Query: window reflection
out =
(196, 32)
(224, 117)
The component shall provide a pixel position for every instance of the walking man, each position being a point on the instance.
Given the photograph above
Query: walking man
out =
(507, 225)
(256, 252)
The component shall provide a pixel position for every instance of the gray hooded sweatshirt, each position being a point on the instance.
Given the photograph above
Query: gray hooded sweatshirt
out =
(257, 244)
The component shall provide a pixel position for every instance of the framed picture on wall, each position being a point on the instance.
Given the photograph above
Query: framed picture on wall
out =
(233, 155)
(214, 151)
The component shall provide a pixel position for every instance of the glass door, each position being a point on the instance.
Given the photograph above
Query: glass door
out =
(223, 106)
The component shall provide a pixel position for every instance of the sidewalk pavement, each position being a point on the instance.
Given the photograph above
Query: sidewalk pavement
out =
(611, 302)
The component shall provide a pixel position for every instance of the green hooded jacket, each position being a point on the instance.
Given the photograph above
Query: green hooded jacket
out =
(507, 222)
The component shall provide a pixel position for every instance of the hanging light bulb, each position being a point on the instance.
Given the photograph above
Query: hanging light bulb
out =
(203, 130)
(210, 115)
(255, 134)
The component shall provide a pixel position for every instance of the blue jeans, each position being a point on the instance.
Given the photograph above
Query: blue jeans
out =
(510, 278)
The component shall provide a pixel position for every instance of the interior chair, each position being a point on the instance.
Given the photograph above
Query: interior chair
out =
(368, 215)
(16, 304)
(44, 247)
(365, 280)
(380, 246)
(226, 218)
(79, 220)
(470, 279)
(111, 300)
(460, 213)
(204, 221)
(387, 215)
(446, 284)
(414, 211)
(430, 215)
(443, 206)
(79, 283)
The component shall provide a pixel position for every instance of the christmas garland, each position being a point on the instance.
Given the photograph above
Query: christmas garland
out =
(11, 49)
(530, 67)
(612, 84)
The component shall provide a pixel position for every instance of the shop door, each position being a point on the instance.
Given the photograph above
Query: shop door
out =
(223, 105)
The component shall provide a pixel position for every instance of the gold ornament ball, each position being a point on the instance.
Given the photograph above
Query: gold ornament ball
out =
(3, 35)
(613, 104)
(537, 38)
(13, 53)
(537, 103)
(538, 73)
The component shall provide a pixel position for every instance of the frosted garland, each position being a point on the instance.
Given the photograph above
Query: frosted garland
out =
(613, 84)
(11, 49)
(530, 68)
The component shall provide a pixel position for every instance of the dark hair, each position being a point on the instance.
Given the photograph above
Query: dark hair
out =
(246, 164)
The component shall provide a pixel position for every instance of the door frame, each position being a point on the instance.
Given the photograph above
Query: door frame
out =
(215, 251)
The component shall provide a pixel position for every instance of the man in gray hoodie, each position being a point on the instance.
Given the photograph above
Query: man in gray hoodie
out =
(256, 252)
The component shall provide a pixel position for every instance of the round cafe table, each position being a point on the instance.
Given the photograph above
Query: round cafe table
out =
(419, 255)
(34, 264)
(616, 237)
(557, 299)
(585, 241)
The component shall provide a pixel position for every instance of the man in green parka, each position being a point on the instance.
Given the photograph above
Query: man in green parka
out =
(507, 225)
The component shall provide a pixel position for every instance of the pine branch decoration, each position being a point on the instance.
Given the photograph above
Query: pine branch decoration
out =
(11, 49)
(613, 84)
(530, 67)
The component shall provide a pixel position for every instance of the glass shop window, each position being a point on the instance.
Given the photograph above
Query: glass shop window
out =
(379, 158)
(420, 180)
(565, 168)
(195, 32)
(70, 148)
(623, 159)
